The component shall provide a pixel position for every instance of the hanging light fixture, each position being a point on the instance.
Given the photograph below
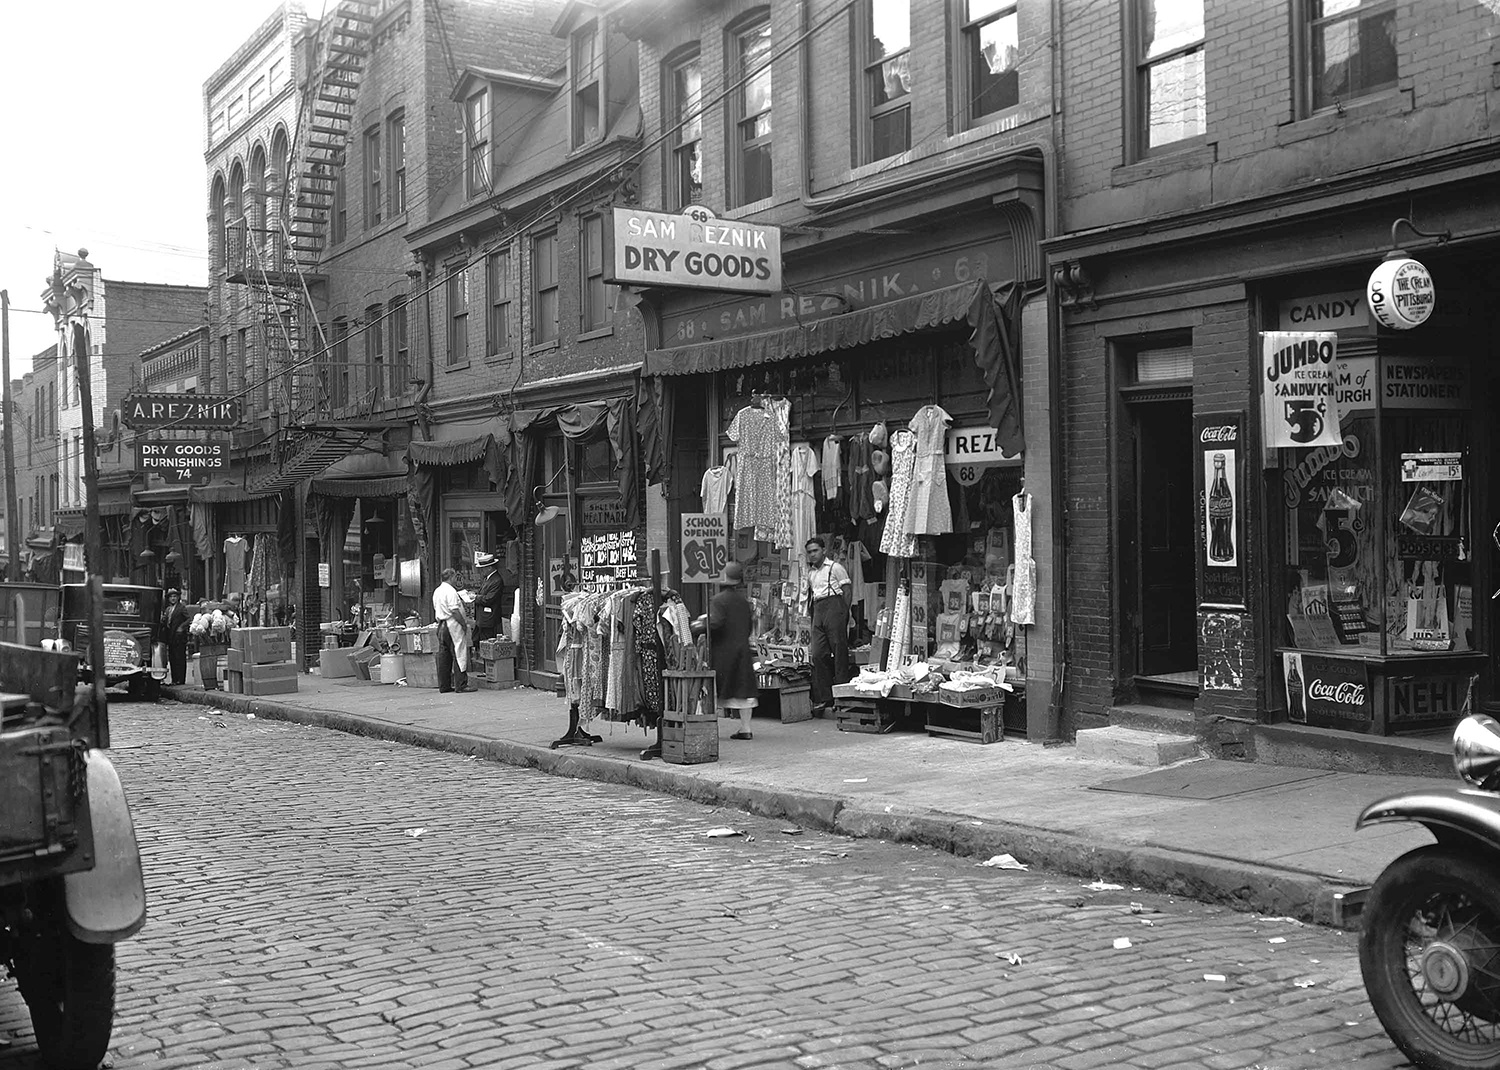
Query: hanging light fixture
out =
(174, 557)
(547, 514)
(147, 554)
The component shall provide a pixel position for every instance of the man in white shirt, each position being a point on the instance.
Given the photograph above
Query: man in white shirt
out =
(453, 636)
(828, 588)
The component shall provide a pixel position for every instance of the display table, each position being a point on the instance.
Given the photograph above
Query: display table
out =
(974, 716)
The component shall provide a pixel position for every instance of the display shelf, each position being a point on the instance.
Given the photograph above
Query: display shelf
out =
(974, 724)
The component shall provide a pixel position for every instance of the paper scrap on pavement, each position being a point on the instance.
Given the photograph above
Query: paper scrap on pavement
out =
(1305, 983)
(414, 833)
(791, 832)
(1004, 862)
(1105, 886)
(1214, 977)
(721, 832)
(1122, 942)
(858, 780)
(1290, 921)
(1012, 958)
(1277, 940)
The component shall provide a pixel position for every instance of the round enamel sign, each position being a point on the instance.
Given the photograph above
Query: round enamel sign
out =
(1401, 293)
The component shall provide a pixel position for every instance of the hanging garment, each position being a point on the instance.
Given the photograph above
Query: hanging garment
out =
(648, 652)
(781, 411)
(754, 429)
(929, 513)
(897, 541)
(1023, 591)
(900, 630)
(861, 478)
(830, 467)
(804, 466)
(715, 490)
(236, 550)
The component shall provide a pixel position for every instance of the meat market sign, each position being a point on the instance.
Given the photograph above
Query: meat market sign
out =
(180, 412)
(695, 250)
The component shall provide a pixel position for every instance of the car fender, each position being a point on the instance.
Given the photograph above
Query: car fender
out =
(1443, 811)
(107, 903)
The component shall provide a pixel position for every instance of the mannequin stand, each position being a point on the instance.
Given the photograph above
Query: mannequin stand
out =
(576, 736)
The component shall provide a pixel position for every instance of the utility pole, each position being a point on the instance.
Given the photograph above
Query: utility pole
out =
(70, 308)
(8, 412)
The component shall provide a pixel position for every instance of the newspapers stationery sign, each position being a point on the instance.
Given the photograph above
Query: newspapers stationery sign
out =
(1299, 375)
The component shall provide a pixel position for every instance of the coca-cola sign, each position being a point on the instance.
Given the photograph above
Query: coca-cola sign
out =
(1221, 508)
(1223, 434)
(1338, 692)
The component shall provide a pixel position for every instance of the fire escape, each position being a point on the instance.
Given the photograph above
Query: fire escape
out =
(323, 403)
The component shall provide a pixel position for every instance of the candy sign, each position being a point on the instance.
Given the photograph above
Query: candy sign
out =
(1299, 374)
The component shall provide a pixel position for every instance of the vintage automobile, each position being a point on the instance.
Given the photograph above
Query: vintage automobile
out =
(30, 613)
(70, 872)
(132, 627)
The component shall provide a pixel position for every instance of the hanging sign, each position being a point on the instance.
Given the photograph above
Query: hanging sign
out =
(1336, 692)
(705, 547)
(1400, 293)
(325, 578)
(180, 412)
(1325, 312)
(694, 250)
(73, 557)
(1220, 446)
(181, 462)
(608, 561)
(1298, 381)
(970, 451)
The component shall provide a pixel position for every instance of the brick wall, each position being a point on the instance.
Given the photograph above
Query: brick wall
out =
(36, 454)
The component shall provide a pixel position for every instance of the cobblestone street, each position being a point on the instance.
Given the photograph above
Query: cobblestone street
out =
(322, 900)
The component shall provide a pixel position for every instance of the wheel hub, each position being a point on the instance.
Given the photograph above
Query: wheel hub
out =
(1445, 969)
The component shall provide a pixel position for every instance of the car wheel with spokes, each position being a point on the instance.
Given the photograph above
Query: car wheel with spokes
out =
(1430, 955)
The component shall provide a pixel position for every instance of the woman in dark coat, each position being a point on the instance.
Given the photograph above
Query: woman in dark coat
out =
(729, 622)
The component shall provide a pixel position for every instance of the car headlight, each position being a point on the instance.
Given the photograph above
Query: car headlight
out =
(1476, 751)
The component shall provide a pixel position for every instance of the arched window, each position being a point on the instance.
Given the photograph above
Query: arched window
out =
(235, 210)
(216, 222)
(258, 197)
(277, 181)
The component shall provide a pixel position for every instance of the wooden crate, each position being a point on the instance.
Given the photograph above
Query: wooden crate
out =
(979, 696)
(421, 670)
(974, 724)
(791, 704)
(865, 715)
(690, 739)
(690, 693)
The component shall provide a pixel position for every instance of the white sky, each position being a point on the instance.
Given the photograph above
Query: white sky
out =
(101, 141)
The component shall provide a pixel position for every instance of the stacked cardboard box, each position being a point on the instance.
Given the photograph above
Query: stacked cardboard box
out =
(259, 661)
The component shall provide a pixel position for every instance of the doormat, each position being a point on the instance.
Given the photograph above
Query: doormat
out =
(1209, 778)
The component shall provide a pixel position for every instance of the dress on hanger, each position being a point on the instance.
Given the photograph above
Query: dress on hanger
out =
(754, 430)
(831, 464)
(235, 551)
(715, 489)
(929, 513)
(897, 541)
(861, 479)
(781, 411)
(804, 466)
(1023, 585)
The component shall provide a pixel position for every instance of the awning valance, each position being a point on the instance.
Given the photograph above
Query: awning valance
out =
(457, 451)
(376, 487)
(218, 493)
(916, 312)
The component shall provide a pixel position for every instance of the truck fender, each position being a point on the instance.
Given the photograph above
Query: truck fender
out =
(1474, 814)
(107, 904)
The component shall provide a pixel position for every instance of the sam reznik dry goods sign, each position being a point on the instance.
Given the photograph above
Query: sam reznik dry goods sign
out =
(695, 250)
(1298, 379)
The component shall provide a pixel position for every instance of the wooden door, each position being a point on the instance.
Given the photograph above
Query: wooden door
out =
(1166, 613)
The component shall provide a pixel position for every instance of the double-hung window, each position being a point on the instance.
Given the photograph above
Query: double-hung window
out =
(752, 118)
(374, 354)
(887, 78)
(339, 227)
(374, 165)
(477, 142)
(339, 394)
(458, 316)
(1348, 50)
(684, 91)
(587, 79)
(400, 347)
(497, 289)
(395, 147)
(544, 288)
(596, 310)
(1169, 89)
(989, 58)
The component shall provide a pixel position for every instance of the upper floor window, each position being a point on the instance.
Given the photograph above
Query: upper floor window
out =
(257, 93)
(458, 316)
(374, 166)
(395, 147)
(400, 346)
(1169, 83)
(990, 58)
(338, 392)
(544, 288)
(375, 352)
(497, 286)
(477, 138)
(1349, 50)
(216, 127)
(276, 75)
(339, 225)
(684, 93)
(596, 310)
(236, 111)
(887, 78)
(752, 118)
(587, 76)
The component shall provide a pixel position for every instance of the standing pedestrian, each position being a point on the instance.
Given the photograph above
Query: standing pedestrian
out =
(453, 636)
(175, 623)
(489, 604)
(828, 587)
(728, 627)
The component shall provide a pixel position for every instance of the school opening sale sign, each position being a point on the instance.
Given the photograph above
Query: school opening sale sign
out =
(1298, 378)
(695, 250)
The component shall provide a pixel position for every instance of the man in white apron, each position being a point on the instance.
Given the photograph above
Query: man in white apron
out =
(453, 636)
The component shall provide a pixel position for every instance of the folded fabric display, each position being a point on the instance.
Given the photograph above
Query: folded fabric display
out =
(967, 680)
(873, 681)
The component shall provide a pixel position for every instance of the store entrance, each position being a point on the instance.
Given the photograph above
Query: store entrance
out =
(1166, 646)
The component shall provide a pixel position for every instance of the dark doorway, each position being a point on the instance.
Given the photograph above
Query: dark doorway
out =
(1166, 604)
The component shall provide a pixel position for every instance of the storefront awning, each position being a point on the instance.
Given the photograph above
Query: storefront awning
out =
(905, 315)
(67, 525)
(456, 451)
(216, 493)
(377, 487)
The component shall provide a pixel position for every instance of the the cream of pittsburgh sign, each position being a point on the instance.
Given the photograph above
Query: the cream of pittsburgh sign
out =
(1299, 376)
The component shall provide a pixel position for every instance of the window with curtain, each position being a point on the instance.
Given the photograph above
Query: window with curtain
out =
(1170, 103)
(752, 112)
(1348, 50)
(989, 58)
(887, 78)
(458, 315)
(684, 94)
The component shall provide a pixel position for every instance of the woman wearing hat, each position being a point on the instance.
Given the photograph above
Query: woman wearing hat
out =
(728, 627)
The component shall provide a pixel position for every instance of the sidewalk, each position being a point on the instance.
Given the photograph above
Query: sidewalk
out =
(1283, 849)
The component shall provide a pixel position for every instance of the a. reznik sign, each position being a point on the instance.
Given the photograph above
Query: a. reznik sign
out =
(694, 250)
(180, 412)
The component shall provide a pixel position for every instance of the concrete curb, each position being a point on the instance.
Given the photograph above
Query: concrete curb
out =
(1245, 886)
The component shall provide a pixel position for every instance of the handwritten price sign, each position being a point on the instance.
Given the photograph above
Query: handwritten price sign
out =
(705, 547)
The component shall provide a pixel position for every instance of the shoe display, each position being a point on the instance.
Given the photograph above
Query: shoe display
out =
(743, 735)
